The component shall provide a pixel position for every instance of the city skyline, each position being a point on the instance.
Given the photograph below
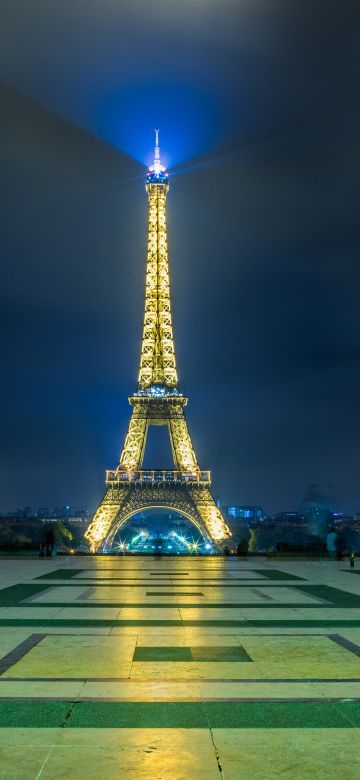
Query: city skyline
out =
(315, 494)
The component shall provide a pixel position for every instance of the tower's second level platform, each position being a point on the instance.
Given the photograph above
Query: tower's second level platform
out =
(157, 477)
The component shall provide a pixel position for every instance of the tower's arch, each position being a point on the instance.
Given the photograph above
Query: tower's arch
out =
(120, 522)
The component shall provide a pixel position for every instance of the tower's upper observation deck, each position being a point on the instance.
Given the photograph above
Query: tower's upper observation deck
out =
(157, 173)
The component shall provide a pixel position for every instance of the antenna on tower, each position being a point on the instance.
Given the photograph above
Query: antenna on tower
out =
(157, 170)
(157, 147)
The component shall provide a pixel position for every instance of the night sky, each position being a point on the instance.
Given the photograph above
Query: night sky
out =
(258, 106)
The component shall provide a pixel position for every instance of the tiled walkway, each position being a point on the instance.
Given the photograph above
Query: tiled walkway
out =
(179, 668)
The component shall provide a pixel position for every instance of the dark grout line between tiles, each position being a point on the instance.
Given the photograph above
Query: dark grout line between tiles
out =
(340, 640)
(11, 658)
(196, 680)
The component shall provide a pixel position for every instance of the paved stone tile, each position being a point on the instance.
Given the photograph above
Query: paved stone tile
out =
(290, 754)
(81, 662)
(30, 688)
(195, 670)
(279, 613)
(22, 765)
(149, 630)
(10, 639)
(149, 614)
(137, 690)
(153, 754)
(143, 762)
(37, 613)
(76, 657)
(84, 614)
(198, 638)
(60, 594)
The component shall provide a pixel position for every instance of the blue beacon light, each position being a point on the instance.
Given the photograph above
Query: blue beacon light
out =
(157, 173)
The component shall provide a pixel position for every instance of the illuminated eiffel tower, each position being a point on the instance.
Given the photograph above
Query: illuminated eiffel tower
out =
(157, 401)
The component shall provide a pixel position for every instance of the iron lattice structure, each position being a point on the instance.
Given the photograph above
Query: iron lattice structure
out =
(157, 401)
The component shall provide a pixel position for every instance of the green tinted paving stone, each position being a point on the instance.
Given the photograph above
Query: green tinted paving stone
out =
(11, 596)
(276, 574)
(171, 593)
(162, 654)
(186, 715)
(182, 715)
(274, 714)
(100, 714)
(61, 574)
(351, 710)
(27, 714)
(220, 653)
(336, 597)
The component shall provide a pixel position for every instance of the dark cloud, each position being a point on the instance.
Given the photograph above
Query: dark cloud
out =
(259, 112)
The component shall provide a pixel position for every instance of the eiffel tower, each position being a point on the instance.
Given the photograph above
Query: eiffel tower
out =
(157, 401)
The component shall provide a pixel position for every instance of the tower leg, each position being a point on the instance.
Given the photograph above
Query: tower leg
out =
(135, 441)
(103, 519)
(211, 515)
(184, 454)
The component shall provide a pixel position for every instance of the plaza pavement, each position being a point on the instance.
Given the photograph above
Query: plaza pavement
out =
(201, 668)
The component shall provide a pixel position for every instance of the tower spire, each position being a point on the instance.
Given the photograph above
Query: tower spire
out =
(157, 171)
(157, 148)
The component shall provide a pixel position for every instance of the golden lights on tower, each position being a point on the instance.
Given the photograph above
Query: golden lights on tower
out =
(157, 401)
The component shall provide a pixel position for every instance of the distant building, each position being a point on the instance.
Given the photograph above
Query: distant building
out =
(47, 514)
(317, 510)
(249, 513)
(42, 512)
(288, 518)
(20, 513)
(340, 518)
